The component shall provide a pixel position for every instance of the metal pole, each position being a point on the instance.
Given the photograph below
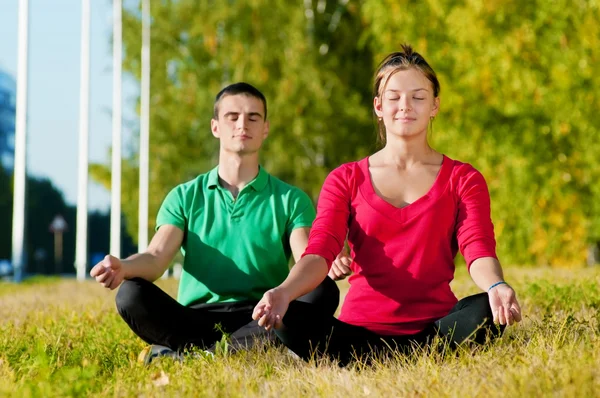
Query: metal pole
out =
(58, 251)
(81, 248)
(144, 130)
(115, 210)
(18, 225)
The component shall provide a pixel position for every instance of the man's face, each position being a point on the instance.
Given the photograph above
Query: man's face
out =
(241, 126)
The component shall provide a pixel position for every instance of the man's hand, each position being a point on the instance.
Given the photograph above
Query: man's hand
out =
(109, 272)
(340, 268)
(271, 308)
(504, 305)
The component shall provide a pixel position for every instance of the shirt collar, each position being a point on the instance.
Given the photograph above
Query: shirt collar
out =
(258, 184)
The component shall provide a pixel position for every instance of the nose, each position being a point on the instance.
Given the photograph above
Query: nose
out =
(241, 123)
(405, 104)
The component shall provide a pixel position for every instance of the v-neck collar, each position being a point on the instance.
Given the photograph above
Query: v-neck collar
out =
(405, 213)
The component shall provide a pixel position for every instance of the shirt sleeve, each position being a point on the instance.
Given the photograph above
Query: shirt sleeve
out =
(474, 227)
(328, 233)
(302, 212)
(171, 211)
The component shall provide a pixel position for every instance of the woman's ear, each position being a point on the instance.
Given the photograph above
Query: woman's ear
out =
(436, 106)
(377, 107)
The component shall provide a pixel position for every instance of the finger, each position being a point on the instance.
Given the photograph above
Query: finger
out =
(108, 280)
(98, 269)
(332, 275)
(338, 273)
(115, 283)
(265, 322)
(516, 312)
(333, 272)
(274, 320)
(103, 277)
(494, 315)
(278, 322)
(346, 261)
(508, 315)
(501, 317)
(269, 322)
(337, 264)
(108, 260)
(341, 268)
(258, 312)
(262, 320)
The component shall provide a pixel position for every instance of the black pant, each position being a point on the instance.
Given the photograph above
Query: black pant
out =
(159, 319)
(308, 331)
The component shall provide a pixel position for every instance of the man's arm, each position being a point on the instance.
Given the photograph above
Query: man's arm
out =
(298, 242)
(149, 265)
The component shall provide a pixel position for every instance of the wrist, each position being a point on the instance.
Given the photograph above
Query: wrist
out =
(282, 292)
(494, 285)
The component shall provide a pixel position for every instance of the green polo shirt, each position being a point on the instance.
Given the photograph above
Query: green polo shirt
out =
(234, 250)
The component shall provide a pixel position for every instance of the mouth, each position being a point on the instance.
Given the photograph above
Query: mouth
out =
(405, 119)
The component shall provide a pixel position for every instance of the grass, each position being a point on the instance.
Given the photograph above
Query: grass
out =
(64, 338)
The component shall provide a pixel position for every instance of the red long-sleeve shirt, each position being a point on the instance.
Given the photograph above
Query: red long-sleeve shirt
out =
(403, 257)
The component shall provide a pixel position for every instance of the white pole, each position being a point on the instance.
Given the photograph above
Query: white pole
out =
(115, 209)
(84, 124)
(18, 225)
(144, 130)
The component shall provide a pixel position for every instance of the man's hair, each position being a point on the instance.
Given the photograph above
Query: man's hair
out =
(237, 89)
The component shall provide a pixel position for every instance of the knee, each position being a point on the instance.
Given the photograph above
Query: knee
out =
(479, 307)
(329, 290)
(130, 295)
(326, 296)
(484, 316)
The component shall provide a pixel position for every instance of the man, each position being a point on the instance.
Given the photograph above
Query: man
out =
(237, 227)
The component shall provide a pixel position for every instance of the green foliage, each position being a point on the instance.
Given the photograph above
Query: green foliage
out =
(518, 102)
(318, 120)
(518, 94)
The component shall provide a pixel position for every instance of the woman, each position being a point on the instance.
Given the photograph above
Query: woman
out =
(405, 211)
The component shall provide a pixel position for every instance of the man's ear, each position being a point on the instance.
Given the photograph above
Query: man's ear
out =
(214, 128)
(266, 129)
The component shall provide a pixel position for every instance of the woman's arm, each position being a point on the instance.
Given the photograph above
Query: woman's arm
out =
(475, 235)
(486, 272)
(306, 275)
(326, 239)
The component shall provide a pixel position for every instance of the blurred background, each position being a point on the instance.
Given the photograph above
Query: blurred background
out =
(519, 101)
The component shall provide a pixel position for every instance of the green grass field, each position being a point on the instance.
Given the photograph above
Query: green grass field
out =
(63, 338)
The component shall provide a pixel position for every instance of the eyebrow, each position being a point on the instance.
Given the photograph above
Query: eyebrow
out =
(251, 114)
(415, 90)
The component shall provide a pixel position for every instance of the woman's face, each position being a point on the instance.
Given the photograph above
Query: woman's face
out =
(406, 104)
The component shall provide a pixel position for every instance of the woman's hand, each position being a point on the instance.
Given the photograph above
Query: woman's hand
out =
(504, 304)
(271, 308)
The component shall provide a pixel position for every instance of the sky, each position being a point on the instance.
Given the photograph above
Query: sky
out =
(53, 92)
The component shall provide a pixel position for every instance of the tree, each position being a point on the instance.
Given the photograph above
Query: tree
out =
(518, 102)
(519, 99)
(302, 64)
